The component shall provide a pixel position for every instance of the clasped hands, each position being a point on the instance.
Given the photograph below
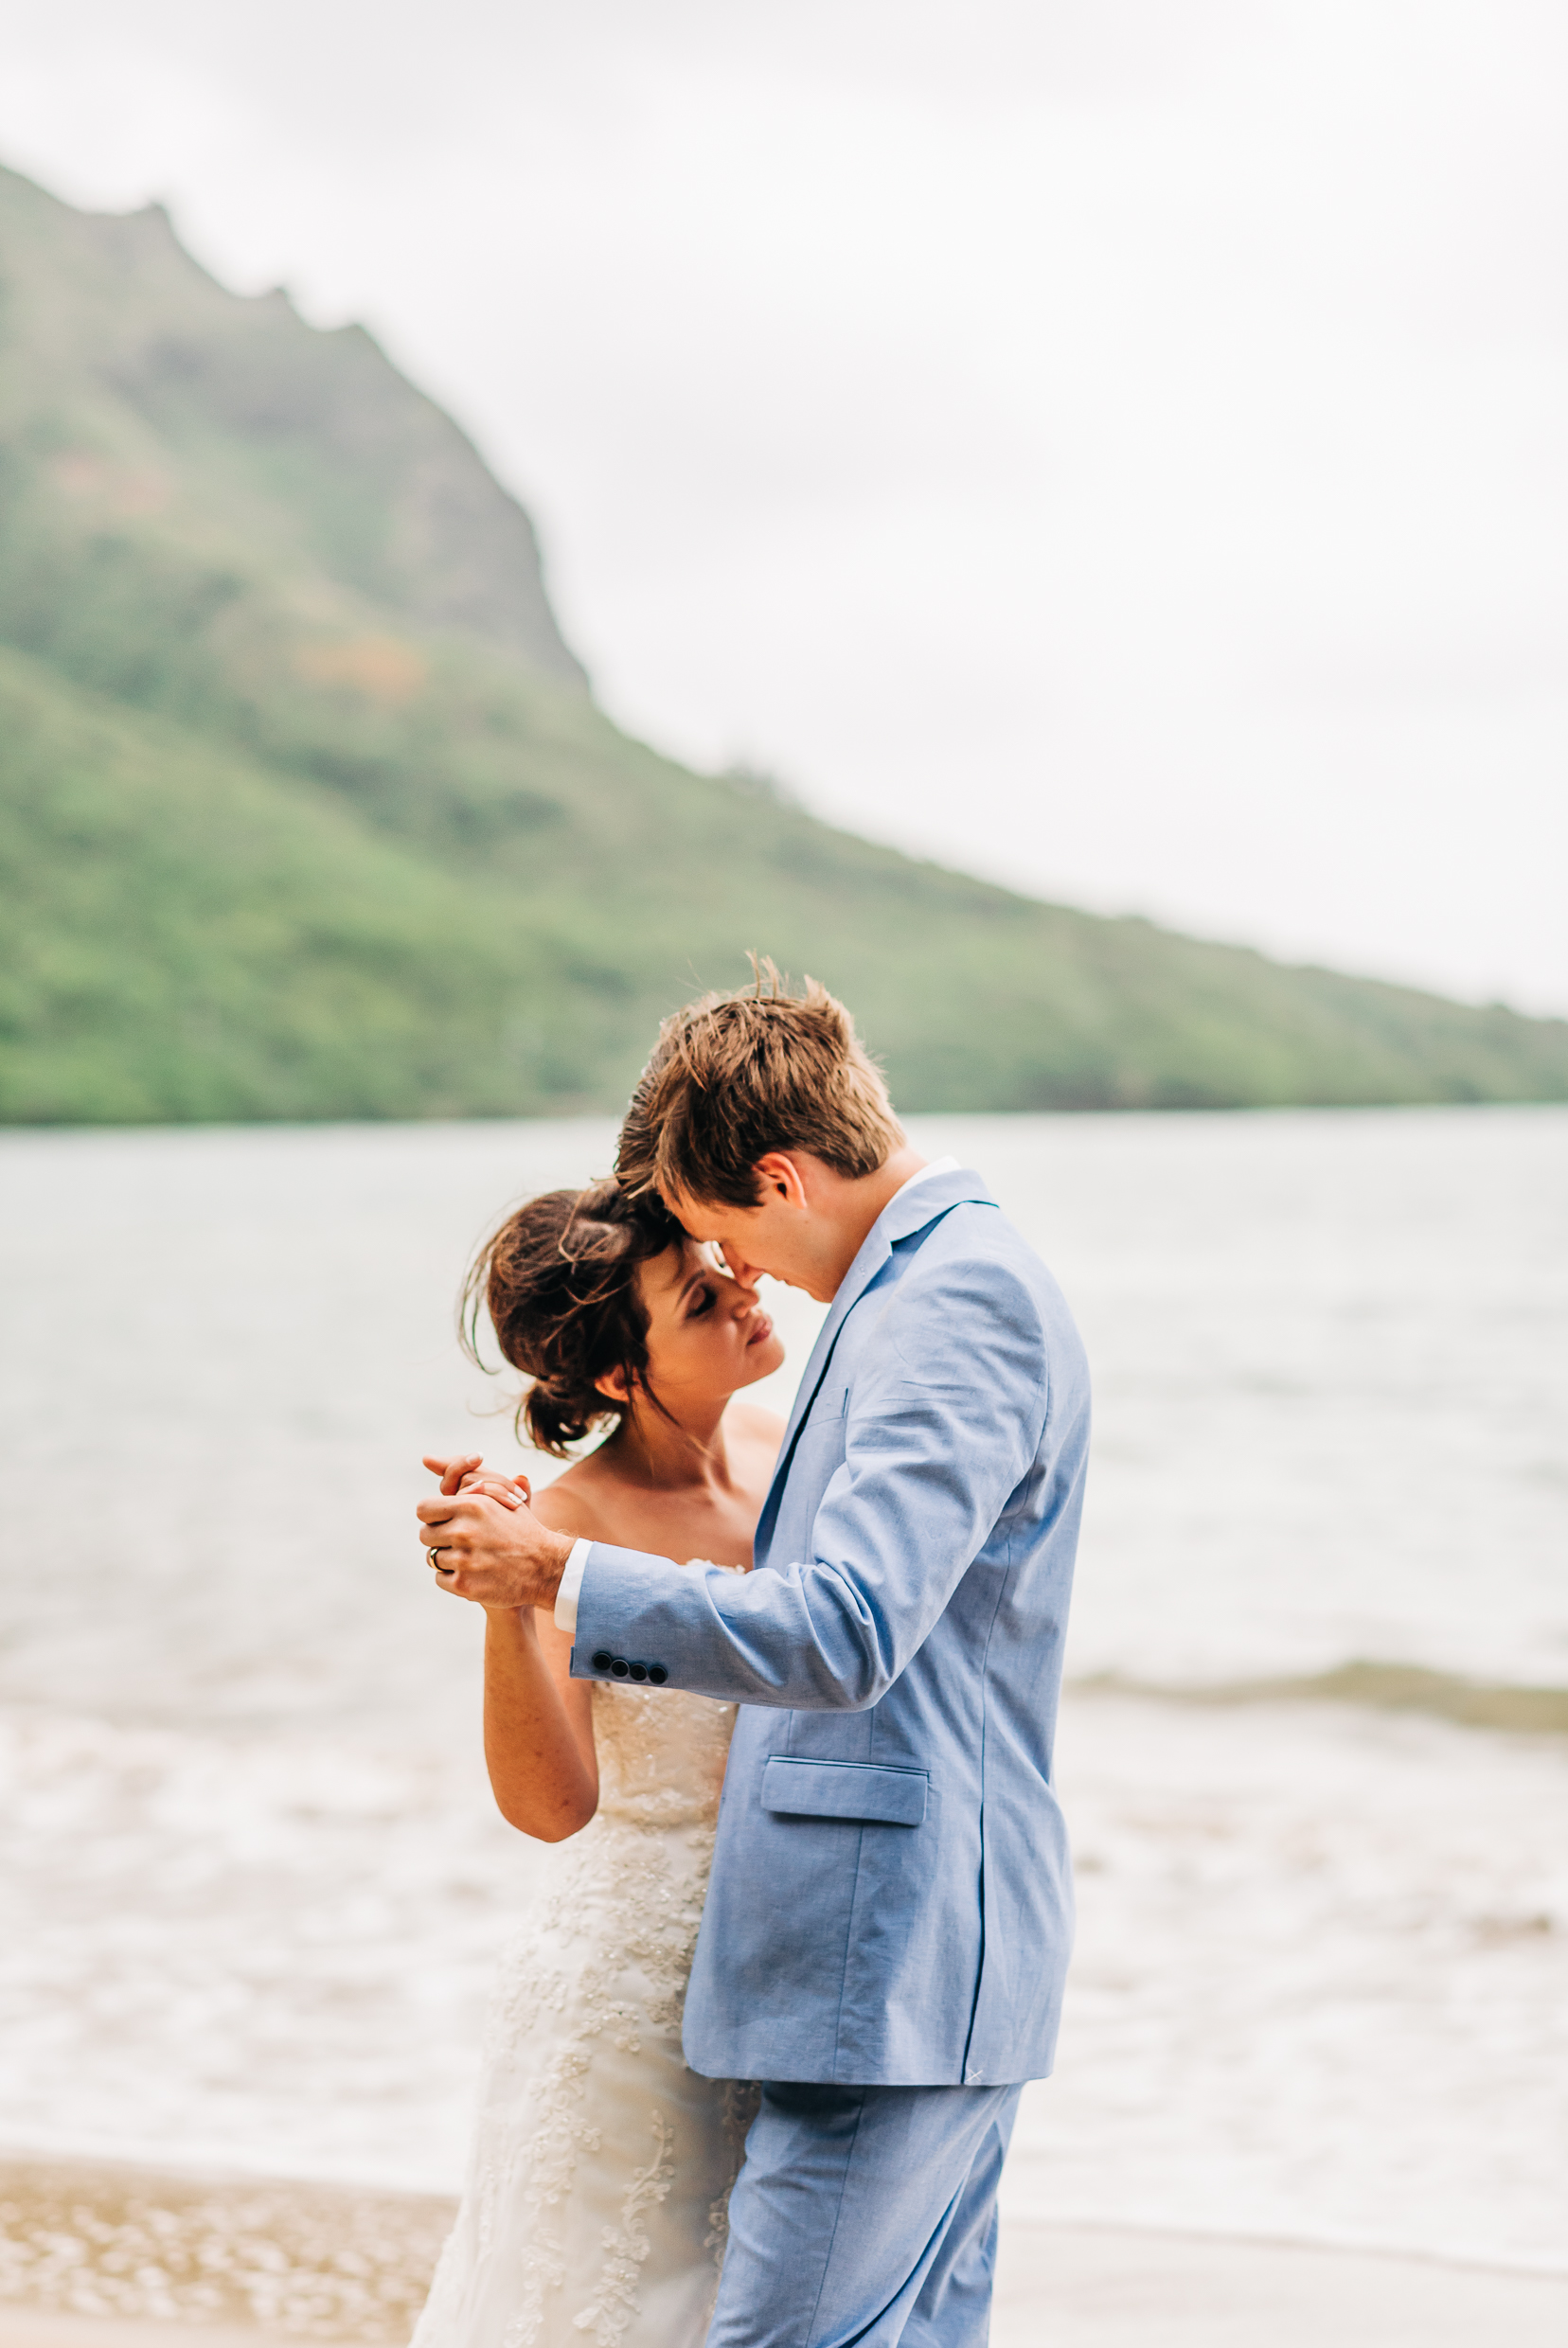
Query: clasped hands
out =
(485, 1542)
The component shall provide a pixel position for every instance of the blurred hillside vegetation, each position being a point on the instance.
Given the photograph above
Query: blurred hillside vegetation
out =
(306, 810)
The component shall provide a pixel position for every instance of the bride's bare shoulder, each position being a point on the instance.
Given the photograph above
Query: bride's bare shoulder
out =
(570, 1505)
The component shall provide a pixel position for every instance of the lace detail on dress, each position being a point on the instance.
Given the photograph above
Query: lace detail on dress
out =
(661, 1755)
(626, 2249)
(568, 2230)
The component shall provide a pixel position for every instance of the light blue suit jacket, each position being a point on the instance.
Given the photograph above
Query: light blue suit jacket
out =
(891, 1896)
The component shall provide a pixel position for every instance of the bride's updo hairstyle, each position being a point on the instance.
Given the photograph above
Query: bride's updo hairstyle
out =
(559, 1280)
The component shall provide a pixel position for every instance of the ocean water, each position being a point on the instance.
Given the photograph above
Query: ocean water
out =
(253, 1881)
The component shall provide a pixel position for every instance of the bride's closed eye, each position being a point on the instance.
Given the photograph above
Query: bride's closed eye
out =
(700, 1303)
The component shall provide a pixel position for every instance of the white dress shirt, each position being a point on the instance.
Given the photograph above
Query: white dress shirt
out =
(571, 1580)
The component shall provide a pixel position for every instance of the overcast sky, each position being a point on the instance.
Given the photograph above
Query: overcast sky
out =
(1119, 445)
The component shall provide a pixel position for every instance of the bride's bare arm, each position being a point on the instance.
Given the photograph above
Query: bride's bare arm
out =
(542, 1768)
(539, 1722)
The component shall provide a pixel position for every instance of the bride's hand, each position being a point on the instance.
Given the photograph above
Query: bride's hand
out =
(469, 1474)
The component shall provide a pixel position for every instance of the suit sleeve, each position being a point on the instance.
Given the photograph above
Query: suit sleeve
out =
(941, 1427)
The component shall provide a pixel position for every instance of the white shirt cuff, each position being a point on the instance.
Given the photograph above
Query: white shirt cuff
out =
(571, 1582)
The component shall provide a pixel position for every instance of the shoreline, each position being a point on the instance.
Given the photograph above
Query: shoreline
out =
(1510, 1707)
(99, 2187)
(1243, 2058)
(116, 2254)
(140, 2258)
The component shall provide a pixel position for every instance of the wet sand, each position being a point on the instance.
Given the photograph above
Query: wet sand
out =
(119, 2250)
(1096, 2287)
(1066, 2287)
(98, 2257)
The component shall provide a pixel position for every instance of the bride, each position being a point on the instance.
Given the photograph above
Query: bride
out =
(594, 2210)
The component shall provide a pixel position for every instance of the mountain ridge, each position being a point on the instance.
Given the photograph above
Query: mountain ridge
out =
(309, 810)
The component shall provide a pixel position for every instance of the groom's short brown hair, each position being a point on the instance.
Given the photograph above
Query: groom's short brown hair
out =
(733, 1076)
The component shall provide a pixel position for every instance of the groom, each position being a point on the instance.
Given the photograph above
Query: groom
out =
(890, 1911)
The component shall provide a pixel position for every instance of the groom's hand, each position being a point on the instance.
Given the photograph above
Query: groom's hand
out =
(486, 1544)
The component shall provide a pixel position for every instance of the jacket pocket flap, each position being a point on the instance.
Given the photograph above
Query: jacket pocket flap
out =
(853, 1789)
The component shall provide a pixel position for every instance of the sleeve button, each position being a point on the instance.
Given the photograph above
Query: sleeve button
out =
(638, 1671)
(657, 1673)
(620, 1669)
(602, 1658)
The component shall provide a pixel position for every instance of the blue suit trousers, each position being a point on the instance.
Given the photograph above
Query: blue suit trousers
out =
(866, 2214)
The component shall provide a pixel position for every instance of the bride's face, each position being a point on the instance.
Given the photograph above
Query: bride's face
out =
(707, 1334)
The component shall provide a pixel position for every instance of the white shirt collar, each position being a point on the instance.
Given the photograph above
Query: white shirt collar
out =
(937, 1165)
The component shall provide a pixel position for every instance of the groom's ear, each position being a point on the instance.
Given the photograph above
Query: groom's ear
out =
(779, 1178)
(612, 1386)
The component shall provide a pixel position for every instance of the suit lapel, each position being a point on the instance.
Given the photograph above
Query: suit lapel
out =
(851, 1289)
(904, 1215)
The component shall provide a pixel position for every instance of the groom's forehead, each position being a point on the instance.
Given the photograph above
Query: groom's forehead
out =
(698, 1218)
(704, 1218)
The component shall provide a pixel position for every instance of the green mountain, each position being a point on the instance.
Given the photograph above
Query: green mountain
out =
(306, 810)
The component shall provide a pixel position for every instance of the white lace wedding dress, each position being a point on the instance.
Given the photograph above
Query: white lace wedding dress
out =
(594, 2212)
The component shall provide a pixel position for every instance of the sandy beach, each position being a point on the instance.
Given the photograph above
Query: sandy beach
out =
(1089, 2287)
(105, 2257)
